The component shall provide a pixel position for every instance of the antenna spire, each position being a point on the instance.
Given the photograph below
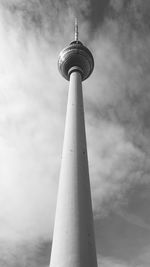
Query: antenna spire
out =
(76, 33)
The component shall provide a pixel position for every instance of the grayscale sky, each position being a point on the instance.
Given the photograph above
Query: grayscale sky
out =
(33, 98)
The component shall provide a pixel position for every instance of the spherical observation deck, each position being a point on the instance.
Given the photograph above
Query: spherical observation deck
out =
(75, 57)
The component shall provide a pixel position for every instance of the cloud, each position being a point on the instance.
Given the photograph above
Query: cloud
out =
(144, 257)
(32, 111)
(110, 262)
(33, 101)
(31, 254)
(134, 219)
(118, 111)
(142, 260)
(117, 5)
(26, 138)
(46, 19)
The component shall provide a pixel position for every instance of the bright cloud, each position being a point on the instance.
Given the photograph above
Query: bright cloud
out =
(32, 112)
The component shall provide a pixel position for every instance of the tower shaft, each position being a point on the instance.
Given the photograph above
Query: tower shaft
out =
(73, 239)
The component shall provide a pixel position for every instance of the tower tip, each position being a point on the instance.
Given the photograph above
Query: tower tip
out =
(76, 29)
(75, 55)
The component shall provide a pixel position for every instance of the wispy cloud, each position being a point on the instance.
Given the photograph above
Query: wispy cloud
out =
(119, 108)
(32, 113)
(32, 109)
(134, 219)
(29, 253)
(110, 262)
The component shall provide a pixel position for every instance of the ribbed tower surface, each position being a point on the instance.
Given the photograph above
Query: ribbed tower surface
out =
(73, 238)
(76, 55)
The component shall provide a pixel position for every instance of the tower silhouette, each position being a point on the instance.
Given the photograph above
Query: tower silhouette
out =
(73, 238)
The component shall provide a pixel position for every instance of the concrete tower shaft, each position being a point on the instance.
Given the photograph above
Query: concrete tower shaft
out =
(73, 238)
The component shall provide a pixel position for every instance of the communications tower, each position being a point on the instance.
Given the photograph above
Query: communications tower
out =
(73, 238)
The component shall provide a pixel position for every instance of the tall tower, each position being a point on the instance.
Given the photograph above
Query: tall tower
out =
(73, 238)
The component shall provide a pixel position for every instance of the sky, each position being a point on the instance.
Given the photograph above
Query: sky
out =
(33, 98)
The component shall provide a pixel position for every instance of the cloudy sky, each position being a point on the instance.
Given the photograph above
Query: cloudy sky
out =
(33, 99)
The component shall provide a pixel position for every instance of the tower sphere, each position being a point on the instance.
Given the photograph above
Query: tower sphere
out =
(75, 57)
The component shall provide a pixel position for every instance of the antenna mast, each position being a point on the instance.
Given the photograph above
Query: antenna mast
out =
(76, 33)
